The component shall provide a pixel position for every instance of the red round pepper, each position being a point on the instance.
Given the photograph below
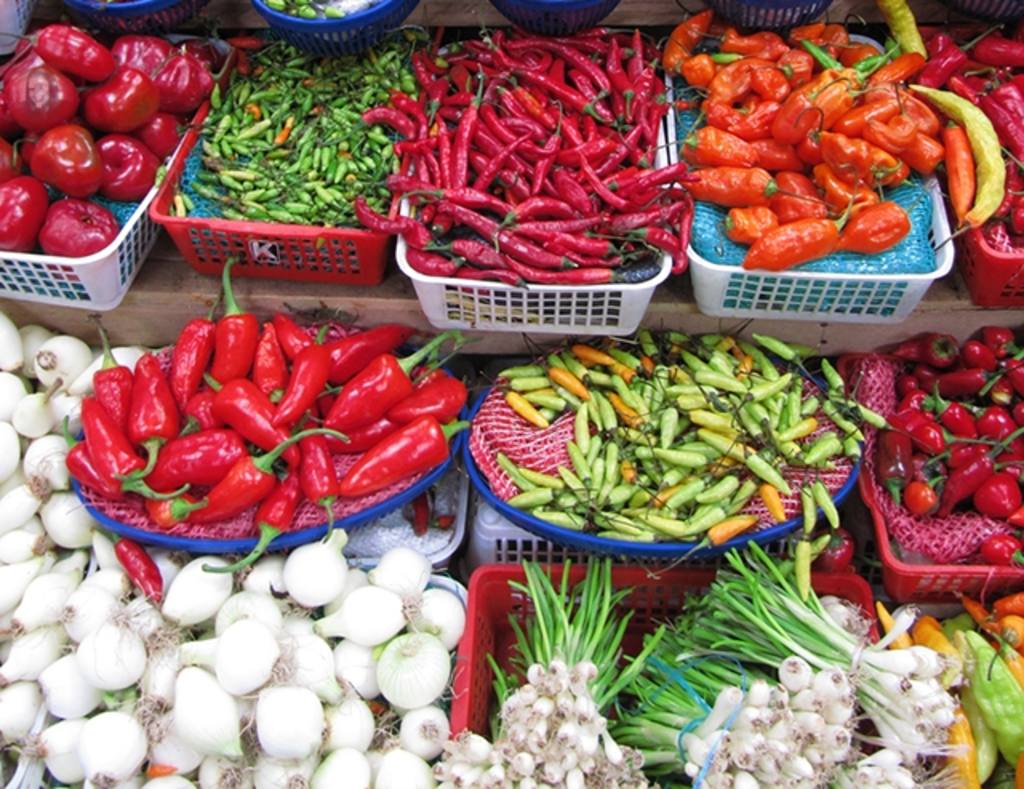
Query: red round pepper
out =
(977, 354)
(23, 206)
(129, 168)
(996, 422)
(1002, 550)
(999, 496)
(999, 340)
(183, 83)
(145, 53)
(75, 52)
(67, 159)
(40, 98)
(921, 498)
(236, 336)
(126, 101)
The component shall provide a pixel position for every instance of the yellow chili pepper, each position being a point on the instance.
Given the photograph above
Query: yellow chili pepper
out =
(589, 354)
(964, 759)
(648, 364)
(903, 641)
(723, 531)
(746, 366)
(927, 632)
(903, 26)
(772, 502)
(519, 404)
(254, 110)
(622, 371)
(569, 382)
(1014, 662)
(627, 414)
(628, 471)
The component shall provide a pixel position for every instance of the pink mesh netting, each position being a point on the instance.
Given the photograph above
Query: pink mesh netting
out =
(941, 540)
(497, 428)
(131, 511)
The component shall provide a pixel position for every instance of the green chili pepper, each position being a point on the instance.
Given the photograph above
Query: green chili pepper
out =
(742, 497)
(766, 471)
(851, 448)
(763, 391)
(572, 482)
(802, 568)
(556, 404)
(834, 380)
(647, 345)
(686, 493)
(695, 363)
(512, 470)
(541, 480)
(531, 499)
(765, 365)
(668, 427)
(593, 453)
(827, 446)
(809, 510)
(778, 347)
(566, 520)
(999, 697)
(986, 750)
(626, 359)
(824, 500)
(721, 490)
(726, 383)
(609, 419)
(844, 424)
(810, 407)
(677, 457)
(597, 474)
(528, 383)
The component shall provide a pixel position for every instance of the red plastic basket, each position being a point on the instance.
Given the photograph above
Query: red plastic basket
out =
(304, 253)
(656, 597)
(995, 278)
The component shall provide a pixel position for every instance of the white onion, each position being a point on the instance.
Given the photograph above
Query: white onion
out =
(88, 607)
(44, 458)
(21, 545)
(65, 407)
(59, 746)
(282, 773)
(216, 772)
(67, 521)
(314, 574)
(32, 652)
(354, 579)
(44, 600)
(12, 353)
(113, 579)
(169, 782)
(312, 665)
(15, 578)
(199, 653)
(246, 655)
(103, 550)
(402, 570)
(10, 450)
(205, 716)
(161, 675)
(33, 416)
(167, 563)
(32, 337)
(344, 767)
(289, 722)
(266, 576)
(424, 732)
(196, 595)
(297, 624)
(17, 479)
(67, 691)
(249, 605)
(355, 665)
(400, 769)
(112, 747)
(112, 657)
(413, 670)
(63, 358)
(12, 390)
(143, 617)
(441, 614)
(19, 705)
(172, 752)
(349, 725)
(369, 616)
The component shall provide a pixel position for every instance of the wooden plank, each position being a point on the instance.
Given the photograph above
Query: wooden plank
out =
(168, 293)
(458, 13)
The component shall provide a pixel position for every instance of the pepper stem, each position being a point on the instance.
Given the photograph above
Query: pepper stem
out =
(140, 487)
(327, 502)
(71, 441)
(409, 363)
(267, 535)
(452, 428)
(230, 304)
(824, 58)
(265, 462)
(109, 362)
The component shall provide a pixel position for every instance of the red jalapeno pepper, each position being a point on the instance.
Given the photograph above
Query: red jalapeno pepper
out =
(442, 398)
(317, 476)
(140, 568)
(112, 384)
(309, 376)
(269, 369)
(292, 337)
(236, 336)
(190, 358)
(153, 417)
(196, 459)
(199, 412)
(419, 446)
(351, 354)
(243, 407)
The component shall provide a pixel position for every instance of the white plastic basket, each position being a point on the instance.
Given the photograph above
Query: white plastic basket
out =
(14, 18)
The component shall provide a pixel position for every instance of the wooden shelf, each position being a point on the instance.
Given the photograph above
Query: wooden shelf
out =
(167, 293)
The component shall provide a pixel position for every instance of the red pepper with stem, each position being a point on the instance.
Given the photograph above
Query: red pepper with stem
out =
(443, 398)
(966, 480)
(309, 376)
(81, 466)
(236, 336)
(914, 400)
(290, 336)
(243, 407)
(153, 417)
(926, 377)
(190, 358)
(112, 383)
(999, 496)
(893, 466)
(977, 354)
(274, 516)
(962, 383)
(999, 340)
(417, 447)
(938, 350)
(996, 422)
(247, 483)
(1015, 375)
(269, 369)
(383, 383)
(962, 454)
(199, 412)
(351, 354)
(196, 459)
(363, 438)
(140, 568)
(955, 417)
(1018, 412)
(317, 476)
(464, 134)
(161, 511)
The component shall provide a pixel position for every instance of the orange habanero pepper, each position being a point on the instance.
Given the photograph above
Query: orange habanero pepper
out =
(923, 115)
(797, 198)
(732, 187)
(840, 195)
(853, 54)
(746, 225)
(797, 66)
(899, 69)
(734, 81)
(774, 156)
(875, 229)
(924, 153)
(683, 39)
(812, 32)
(893, 135)
(764, 44)
(836, 35)
(792, 244)
(699, 70)
(712, 147)
(809, 149)
(769, 83)
(856, 120)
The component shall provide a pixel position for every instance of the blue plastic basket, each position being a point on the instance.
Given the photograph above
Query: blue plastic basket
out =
(998, 10)
(135, 16)
(349, 35)
(555, 17)
(591, 543)
(769, 13)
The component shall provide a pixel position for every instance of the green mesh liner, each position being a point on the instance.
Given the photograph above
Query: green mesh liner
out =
(913, 255)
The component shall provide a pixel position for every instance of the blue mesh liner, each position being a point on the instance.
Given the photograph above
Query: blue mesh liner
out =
(913, 255)
(207, 209)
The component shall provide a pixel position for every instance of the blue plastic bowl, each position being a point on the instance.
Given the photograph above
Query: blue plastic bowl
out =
(769, 13)
(349, 35)
(664, 551)
(555, 17)
(135, 16)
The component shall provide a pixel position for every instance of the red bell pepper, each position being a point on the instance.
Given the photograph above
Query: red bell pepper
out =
(247, 483)
(1015, 375)
(415, 448)
(962, 383)
(317, 476)
(351, 354)
(999, 340)
(292, 337)
(274, 516)
(189, 359)
(40, 98)
(443, 398)
(999, 496)
(153, 417)
(309, 376)
(184, 83)
(996, 422)
(112, 384)
(243, 407)
(383, 383)
(269, 369)
(977, 354)
(73, 51)
(126, 101)
(140, 568)
(893, 465)
(201, 458)
(236, 336)
(199, 412)
(145, 53)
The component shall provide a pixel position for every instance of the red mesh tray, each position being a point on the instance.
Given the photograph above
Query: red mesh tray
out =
(656, 598)
(302, 253)
(995, 278)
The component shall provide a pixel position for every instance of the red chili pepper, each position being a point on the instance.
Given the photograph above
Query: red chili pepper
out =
(999, 340)
(1015, 375)
(269, 369)
(196, 459)
(140, 568)
(909, 350)
(199, 412)
(962, 454)
(243, 407)
(421, 514)
(430, 263)
(956, 418)
(351, 354)
(309, 376)
(997, 50)
(363, 438)
(1018, 412)
(153, 417)
(962, 383)
(82, 467)
(317, 476)
(190, 358)
(996, 422)
(246, 484)
(389, 116)
(928, 437)
(976, 354)
(384, 382)
(443, 398)
(113, 457)
(274, 516)
(1001, 550)
(112, 384)
(1001, 392)
(893, 465)
(236, 336)
(999, 496)
(417, 447)
(914, 400)
(905, 384)
(966, 480)
(926, 376)
(414, 233)
(291, 337)
(945, 60)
